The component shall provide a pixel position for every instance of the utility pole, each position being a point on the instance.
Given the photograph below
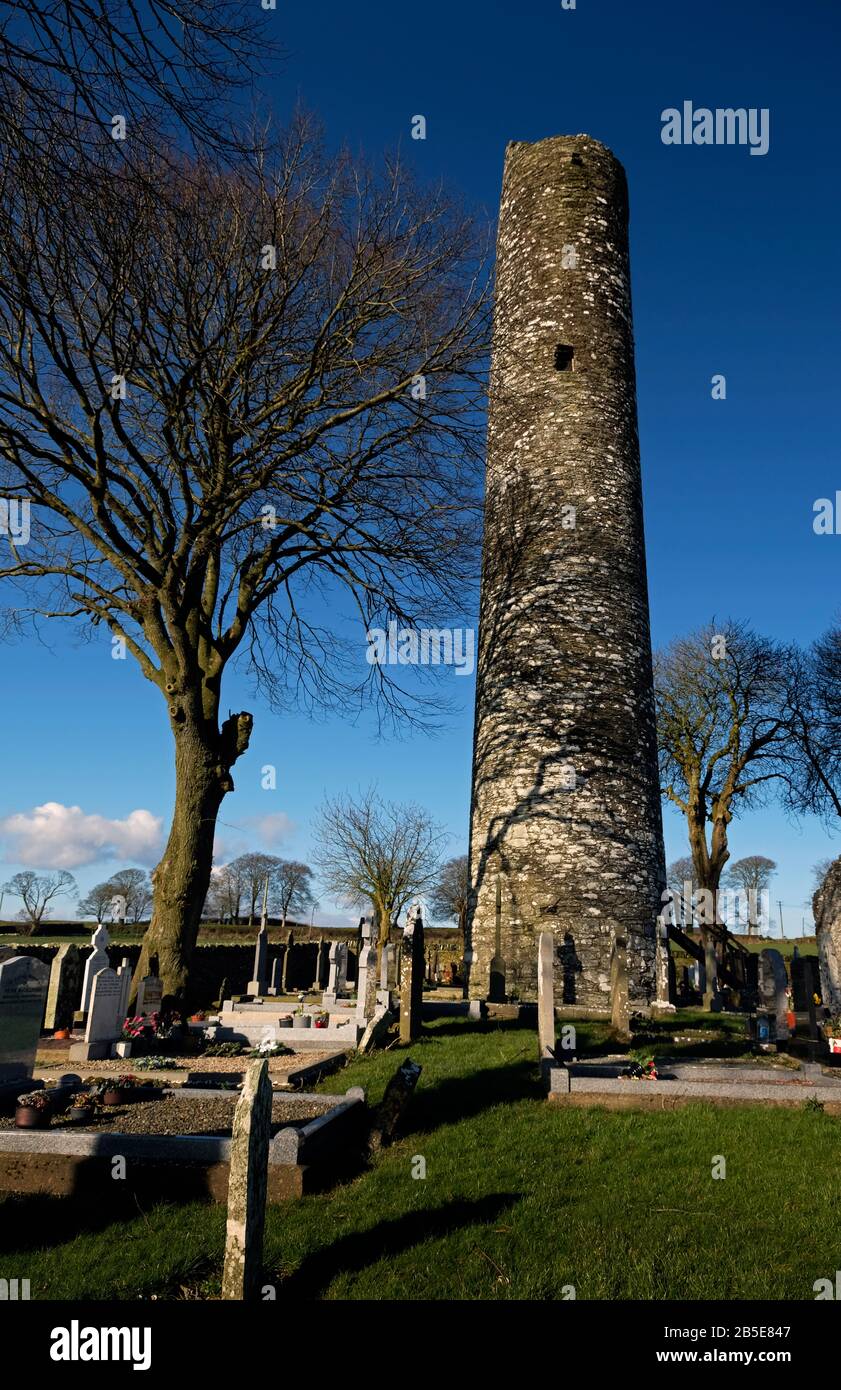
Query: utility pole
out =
(782, 928)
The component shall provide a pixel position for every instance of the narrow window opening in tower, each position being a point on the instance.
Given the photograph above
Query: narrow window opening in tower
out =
(576, 159)
(564, 358)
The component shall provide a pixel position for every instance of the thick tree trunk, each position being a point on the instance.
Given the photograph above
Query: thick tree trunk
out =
(708, 866)
(203, 760)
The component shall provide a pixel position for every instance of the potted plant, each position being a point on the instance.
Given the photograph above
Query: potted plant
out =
(832, 1033)
(82, 1109)
(61, 1034)
(285, 1021)
(121, 1091)
(642, 1067)
(321, 1020)
(791, 1016)
(32, 1110)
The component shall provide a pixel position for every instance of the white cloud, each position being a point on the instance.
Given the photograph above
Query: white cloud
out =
(54, 836)
(272, 829)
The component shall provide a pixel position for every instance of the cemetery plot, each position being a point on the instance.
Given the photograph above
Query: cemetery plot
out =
(180, 1144)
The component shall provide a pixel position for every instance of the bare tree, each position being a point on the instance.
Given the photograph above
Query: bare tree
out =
(723, 715)
(225, 406)
(132, 884)
(36, 892)
(251, 872)
(376, 851)
(223, 899)
(96, 902)
(135, 886)
(451, 894)
(290, 888)
(723, 697)
(176, 64)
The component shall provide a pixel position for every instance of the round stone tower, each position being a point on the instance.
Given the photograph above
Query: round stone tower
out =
(566, 830)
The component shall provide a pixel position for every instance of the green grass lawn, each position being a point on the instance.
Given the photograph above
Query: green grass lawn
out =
(519, 1200)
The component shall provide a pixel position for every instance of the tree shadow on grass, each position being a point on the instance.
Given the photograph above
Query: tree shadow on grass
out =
(36, 1221)
(459, 1098)
(353, 1253)
(477, 1028)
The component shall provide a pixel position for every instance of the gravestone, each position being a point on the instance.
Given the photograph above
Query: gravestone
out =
(620, 1011)
(419, 965)
(276, 980)
(64, 987)
(23, 990)
(247, 1184)
(257, 985)
(103, 1024)
(366, 992)
(546, 997)
(392, 1108)
(125, 976)
(319, 978)
(664, 969)
(342, 962)
(773, 983)
(411, 979)
(118, 908)
(388, 973)
(150, 992)
(287, 962)
(96, 961)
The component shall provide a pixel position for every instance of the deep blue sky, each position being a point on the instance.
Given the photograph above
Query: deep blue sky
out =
(734, 268)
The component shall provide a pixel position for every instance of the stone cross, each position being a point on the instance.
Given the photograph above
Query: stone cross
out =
(96, 961)
(546, 996)
(23, 989)
(247, 1185)
(63, 992)
(258, 984)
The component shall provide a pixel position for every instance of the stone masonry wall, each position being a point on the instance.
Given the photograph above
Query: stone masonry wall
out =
(566, 830)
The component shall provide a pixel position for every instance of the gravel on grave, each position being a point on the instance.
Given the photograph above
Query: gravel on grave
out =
(174, 1114)
(123, 1065)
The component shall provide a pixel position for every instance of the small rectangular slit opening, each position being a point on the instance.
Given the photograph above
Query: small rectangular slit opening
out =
(564, 358)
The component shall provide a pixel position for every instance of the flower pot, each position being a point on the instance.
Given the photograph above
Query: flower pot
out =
(791, 1020)
(61, 1033)
(31, 1117)
(284, 1023)
(114, 1095)
(320, 1023)
(834, 1045)
(304, 1021)
(80, 1114)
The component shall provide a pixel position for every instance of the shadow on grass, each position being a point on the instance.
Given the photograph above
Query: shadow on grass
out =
(356, 1252)
(459, 1098)
(463, 1028)
(39, 1221)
